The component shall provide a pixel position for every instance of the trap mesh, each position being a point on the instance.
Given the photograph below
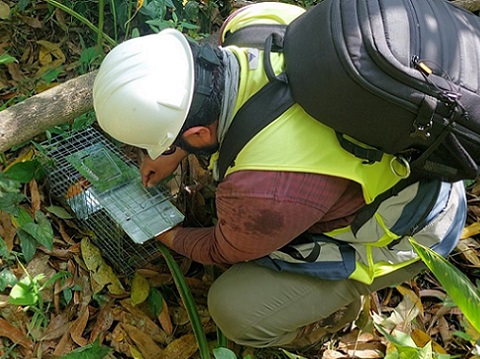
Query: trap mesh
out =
(102, 187)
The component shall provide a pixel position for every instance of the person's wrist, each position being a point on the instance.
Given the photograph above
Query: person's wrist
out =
(167, 237)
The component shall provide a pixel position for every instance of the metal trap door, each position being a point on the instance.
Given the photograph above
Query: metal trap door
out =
(142, 213)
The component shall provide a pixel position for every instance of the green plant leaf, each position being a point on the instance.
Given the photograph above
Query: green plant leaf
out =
(223, 353)
(4, 252)
(91, 351)
(22, 218)
(7, 279)
(52, 74)
(25, 292)
(189, 302)
(27, 244)
(9, 202)
(8, 185)
(54, 278)
(22, 4)
(41, 231)
(6, 59)
(23, 172)
(60, 212)
(155, 302)
(457, 284)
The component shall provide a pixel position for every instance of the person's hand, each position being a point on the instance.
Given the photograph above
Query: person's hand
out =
(153, 171)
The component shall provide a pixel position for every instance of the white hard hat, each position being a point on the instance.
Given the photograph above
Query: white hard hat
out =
(144, 89)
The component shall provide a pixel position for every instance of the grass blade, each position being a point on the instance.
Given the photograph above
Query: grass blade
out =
(465, 295)
(188, 301)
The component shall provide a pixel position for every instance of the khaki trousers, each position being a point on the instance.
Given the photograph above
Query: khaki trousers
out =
(258, 307)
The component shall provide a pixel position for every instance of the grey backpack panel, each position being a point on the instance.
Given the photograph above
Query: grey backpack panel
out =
(401, 76)
(363, 68)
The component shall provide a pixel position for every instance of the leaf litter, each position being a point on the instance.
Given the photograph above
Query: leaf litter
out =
(93, 306)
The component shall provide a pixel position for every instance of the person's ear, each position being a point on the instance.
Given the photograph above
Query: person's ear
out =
(199, 136)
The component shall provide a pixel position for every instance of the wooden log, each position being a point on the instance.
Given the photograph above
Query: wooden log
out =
(471, 5)
(60, 104)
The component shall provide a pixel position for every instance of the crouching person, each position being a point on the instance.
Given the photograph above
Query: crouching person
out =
(307, 227)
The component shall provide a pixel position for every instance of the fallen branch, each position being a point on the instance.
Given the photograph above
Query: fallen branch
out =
(58, 105)
(471, 5)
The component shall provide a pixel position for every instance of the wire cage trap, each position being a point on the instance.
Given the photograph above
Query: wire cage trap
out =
(102, 188)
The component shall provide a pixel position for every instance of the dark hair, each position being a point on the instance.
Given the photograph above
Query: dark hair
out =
(208, 88)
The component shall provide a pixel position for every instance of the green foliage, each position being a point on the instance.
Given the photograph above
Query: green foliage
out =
(465, 295)
(188, 301)
(60, 212)
(23, 172)
(52, 75)
(27, 292)
(223, 353)
(155, 302)
(405, 347)
(10, 195)
(31, 231)
(6, 59)
(7, 279)
(91, 351)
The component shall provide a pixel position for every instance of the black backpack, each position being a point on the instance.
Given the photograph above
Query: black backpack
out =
(402, 76)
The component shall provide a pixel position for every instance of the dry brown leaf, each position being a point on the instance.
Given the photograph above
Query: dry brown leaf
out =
(33, 22)
(4, 301)
(100, 272)
(24, 156)
(412, 296)
(15, 72)
(35, 195)
(50, 53)
(181, 348)
(63, 233)
(444, 330)
(139, 290)
(78, 327)
(14, 334)
(179, 315)
(433, 293)
(4, 11)
(60, 16)
(65, 345)
(421, 339)
(334, 354)
(103, 323)
(144, 342)
(467, 248)
(164, 318)
(57, 327)
(136, 317)
(470, 230)
(9, 231)
(440, 311)
(356, 336)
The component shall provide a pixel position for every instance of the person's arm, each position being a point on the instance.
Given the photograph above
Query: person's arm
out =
(153, 171)
(258, 213)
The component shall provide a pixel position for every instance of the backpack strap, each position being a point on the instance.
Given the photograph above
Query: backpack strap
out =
(370, 155)
(261, 109)
(253, 35)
